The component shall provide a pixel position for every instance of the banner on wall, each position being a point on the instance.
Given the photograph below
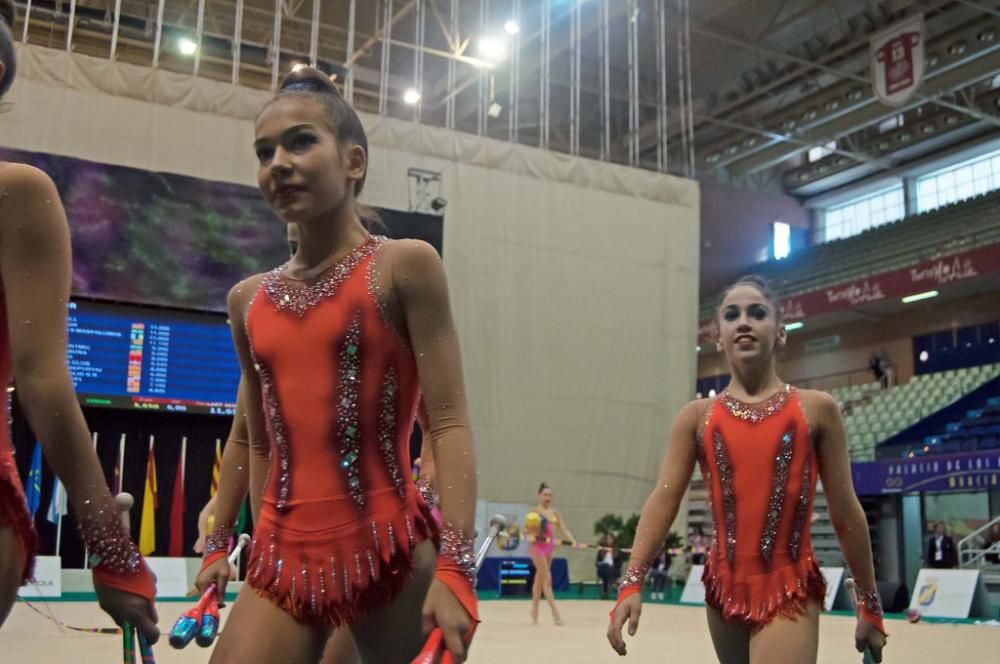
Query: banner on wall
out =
(945, 593)
(47, 582)
(925, 276)
(940, 472)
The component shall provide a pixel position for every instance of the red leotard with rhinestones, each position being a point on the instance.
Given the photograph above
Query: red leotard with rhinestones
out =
(13, 506)
(760, 472)
(340, 515)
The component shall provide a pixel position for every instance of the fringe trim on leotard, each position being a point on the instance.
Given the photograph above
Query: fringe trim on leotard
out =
(339, 576)
(14, 514)
(756, 600)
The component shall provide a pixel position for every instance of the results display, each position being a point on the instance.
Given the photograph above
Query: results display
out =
(130, 357)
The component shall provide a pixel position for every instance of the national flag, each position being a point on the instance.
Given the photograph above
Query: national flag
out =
(57, 506)
(216, 467)
(33, 487)
(147, 525)
(177, 506)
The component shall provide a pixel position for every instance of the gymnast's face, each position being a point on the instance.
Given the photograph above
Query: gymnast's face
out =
(303, 172)
(545, 497)
(748, 325)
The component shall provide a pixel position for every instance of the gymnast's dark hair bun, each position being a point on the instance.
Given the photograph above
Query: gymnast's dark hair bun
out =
(7, 12)
(306, 79)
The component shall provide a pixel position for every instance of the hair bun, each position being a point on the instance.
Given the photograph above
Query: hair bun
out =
(307, 79)
(7, 12)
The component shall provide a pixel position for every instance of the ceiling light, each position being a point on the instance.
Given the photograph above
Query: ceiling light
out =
(917, 297)
(411, 96)
(797, 325)
(187, 46)
(511, 27)
(491, 49)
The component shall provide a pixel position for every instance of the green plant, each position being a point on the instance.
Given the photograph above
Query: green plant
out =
(608, 524)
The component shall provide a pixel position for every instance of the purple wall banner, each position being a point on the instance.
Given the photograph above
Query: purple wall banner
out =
(976, 471)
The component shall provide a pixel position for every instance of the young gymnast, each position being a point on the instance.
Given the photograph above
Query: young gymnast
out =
(761, 445)
(35, 275)
(337, 346)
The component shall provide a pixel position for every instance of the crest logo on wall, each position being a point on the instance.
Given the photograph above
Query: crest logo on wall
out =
(897, 61)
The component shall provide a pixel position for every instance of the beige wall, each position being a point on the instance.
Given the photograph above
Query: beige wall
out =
(574, 282)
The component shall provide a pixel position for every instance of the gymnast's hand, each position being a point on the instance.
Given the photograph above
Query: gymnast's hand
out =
(125, 607)
(219, 572)
(628, 609)
(442, 609)
(866, 636)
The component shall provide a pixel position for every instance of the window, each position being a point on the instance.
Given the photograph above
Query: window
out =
(955, 183)
(782, 240)
(860, 214)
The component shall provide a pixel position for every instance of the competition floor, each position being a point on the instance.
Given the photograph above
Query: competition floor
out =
(668, 633)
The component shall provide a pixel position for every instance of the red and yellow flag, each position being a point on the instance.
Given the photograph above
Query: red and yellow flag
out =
(216, 467)
(147, 525)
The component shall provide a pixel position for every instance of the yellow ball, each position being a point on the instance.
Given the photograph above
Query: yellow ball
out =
(532, 522)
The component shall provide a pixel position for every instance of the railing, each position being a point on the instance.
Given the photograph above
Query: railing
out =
(969, 555)
(849, 378)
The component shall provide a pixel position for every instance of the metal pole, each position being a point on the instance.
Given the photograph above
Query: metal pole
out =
(351, 22)
(418, 58)
(690, 94)
(383, 81)
(449, 112)
(71, 25)
(159, 34)
(114, 30)
(238, 42)
(574, 99)
(662, 155)
(605, 48)
(199, 35)
(27, 22)
(481, 109)
(515, 81)
(275, 45)
(682, 93)
(314, 35)
(543, 97)
(633, 83)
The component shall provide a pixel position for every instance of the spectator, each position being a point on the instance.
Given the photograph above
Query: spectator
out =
(698, 543)
(659, 573)
(609, 563)
(875, 365)
(941, 549)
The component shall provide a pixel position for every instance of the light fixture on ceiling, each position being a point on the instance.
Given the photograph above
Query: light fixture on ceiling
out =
(797, 325)
(917, 297)
(491, 48)
(187, 46)
(411, 96)
(511, 27)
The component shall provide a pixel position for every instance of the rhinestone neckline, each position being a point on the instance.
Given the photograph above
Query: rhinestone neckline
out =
(757, 411)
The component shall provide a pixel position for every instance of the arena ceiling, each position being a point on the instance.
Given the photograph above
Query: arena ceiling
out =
(765, 80)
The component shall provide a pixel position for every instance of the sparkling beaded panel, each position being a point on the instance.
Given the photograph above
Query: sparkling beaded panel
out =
(782, 461)
(458, 547)
(756, 412)
(109, 545)
(218, 540)
(728, 496)
(387, 429)
(635, 576)
(801, 513)
(276, 425)
(870, 600)
(347, 409)
(300, 297)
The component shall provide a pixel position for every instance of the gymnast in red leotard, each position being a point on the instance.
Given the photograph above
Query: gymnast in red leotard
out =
(337, 348)
(35, 275)
(761, 445)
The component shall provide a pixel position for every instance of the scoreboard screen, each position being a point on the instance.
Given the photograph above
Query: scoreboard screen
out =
(152, 359)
